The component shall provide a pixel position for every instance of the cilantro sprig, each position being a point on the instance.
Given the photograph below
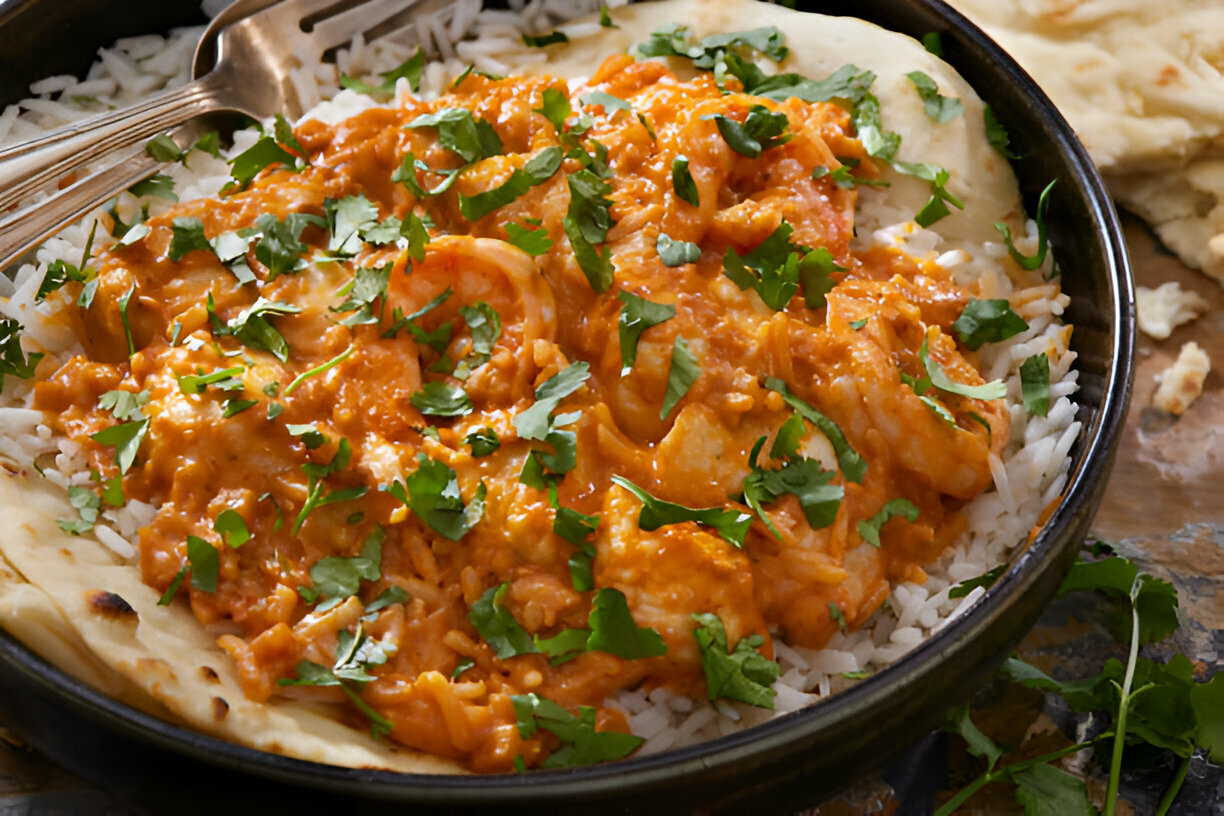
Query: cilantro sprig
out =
(581, 743)
(1150, 704)
(356, 654)
(742, 673)
(732, 525)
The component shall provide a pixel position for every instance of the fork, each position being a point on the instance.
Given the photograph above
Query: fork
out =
(251, 75)
(276, 24)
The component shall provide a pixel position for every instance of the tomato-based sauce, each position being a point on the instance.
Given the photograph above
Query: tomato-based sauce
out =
(387, 410)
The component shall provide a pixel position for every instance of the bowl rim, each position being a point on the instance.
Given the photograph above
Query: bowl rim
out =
(1096, 443)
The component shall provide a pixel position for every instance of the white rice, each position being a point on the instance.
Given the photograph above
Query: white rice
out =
(1028, 477)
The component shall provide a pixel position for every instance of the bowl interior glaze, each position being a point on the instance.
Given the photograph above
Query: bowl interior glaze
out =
(789, 762)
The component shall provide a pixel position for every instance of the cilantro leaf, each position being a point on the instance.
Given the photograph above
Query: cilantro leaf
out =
(605, 100)
(225, 379)
(994, 390)
(996, 134)
(761, 130)
(867, 123)
(555, 107)
(126, 439)
(483, 442)
(87, 504)
(805, 478)
(987, 321)
(614, 631)
(388, 597)
(156, 186)
(410, 69)
(539, 169)
(681, 375)
(1031, 262)
(252, 328)
(232, 528)
(204, 561)
(732, 525)
(852, 465)
(1044, 790)
(337, 577)
(581, 744)
(369, 284)
(869, 529)
(1035, 384)
(742, 674)
(433, 494)
(533, 423)
(986, 580)
(534, 242)
(682, 181)
(1207, 702)
(441, 399)
(938, 108)
(124, 405)
(346, 218)
(470, 137)
(595, 265)
(265, 152)
(676, 253)
(551, 38)
(279, 247)
(497, 626)
(636, 316)
(936, 206)
(188, 235)
(980, 745)
(406, 174)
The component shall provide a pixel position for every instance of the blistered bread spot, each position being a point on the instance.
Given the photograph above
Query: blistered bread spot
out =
(111, 606)
(220, 708)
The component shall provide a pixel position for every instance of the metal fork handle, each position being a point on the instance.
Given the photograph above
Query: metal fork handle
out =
(28, 228)
(34, 164)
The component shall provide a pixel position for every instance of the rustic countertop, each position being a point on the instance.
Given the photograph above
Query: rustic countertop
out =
(1163, 507)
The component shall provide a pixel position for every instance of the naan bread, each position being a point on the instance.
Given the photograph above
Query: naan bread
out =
(1142, 83)
(85, 609)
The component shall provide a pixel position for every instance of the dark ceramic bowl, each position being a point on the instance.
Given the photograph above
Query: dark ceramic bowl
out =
(791, 761)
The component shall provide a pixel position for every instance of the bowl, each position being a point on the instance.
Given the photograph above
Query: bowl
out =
(789, 762)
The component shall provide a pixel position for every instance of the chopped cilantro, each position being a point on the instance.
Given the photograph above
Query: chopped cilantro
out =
(462, 666)
(124, 405)
(681, 375)
(761, 130)
(1031, 262)
(402, 321)
(1035, 384)
(356, 654)
(248, 164)
(126, 439)
(933, 43)
(852, 465)
(804, 478)
(595, 265)
(369, 286)
(534, 242)
(252, 328)
(188, 235)
(994, 390)
(335, 578)
(676, 253)
(551, 38)
(869, 529)
(483, 442)
(775, 268)
(470, 137)
(987, 321)
(840, 619)
(581, 743)
(613, 629)
(605, 100)
(732, 525)
(533, 423)
(441, 399)
(232, 528)
(742, 674)
(410, 69)
(497, 627)
(347, 217)
(876, 141)
(164, 149)
(156, 186)
(87, 504)
(388, 597)
(13, 359)
(538, 170)
(938, 108)
(996, 134)
(605, 19)
(279, 247)
(227, 379)
(433, 494)
(936, 206)
(555, 107)
(986, 580)
(636, 316)
(484, 324)
(843, 176)
(683, 183)
(406, 174)
(204, 561)
(319, 369)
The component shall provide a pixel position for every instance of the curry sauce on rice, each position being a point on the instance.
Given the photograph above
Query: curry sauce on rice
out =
(482, 419)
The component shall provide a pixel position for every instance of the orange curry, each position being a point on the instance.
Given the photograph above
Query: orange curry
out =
(369, 484)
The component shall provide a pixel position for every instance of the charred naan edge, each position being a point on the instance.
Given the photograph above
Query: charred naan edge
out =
(819, 46)
(158, 657)
(164, 662)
